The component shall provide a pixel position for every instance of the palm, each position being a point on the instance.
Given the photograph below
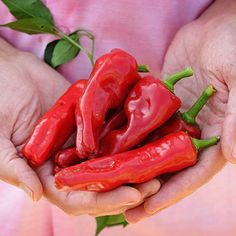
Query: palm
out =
(213, 63)
(30, 100)
(28, 88)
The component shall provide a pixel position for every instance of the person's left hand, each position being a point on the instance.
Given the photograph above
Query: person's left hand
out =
(209, 48)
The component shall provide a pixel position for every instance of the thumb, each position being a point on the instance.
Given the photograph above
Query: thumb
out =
(228, 141)
(14, 170)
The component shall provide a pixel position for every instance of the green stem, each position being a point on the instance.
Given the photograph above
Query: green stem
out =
(63, 35)
(92, 38)
(92, 51)
(143, 68)
(204, 143)
(173, 79)
(190, 115)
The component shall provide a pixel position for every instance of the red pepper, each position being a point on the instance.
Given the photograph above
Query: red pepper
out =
(110, 81)
(56, 169)
(65, 158)
(149, 104)
(171, 153)
(115, 122)
(54, 128)
(183, 121)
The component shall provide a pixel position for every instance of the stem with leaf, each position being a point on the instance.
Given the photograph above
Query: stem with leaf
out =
(90, 55)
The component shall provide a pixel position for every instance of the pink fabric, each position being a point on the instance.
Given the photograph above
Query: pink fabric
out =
(145, 28)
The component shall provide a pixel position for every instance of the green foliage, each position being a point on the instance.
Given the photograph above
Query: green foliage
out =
(110, 221)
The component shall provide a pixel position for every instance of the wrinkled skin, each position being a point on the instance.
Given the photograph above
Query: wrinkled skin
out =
(28, 89)
(208, 46)
(26, 94)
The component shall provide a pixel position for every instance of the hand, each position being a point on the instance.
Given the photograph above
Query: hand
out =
(208, 46)
(28, 88)
(92, 203)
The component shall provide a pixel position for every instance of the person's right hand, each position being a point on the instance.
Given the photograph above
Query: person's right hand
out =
(28, 87)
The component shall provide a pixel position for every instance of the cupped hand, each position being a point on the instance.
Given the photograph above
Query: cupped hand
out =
(28, 88)
(208, 46)
(95, 204)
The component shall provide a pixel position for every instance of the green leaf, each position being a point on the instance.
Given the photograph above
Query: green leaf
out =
(23, 9)
(101, 223)
(64, 51)
(49, 51)
(109, 221)
(116, 219)
(31, 26)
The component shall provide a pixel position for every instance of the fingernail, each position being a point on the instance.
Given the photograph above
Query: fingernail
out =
(27, 190)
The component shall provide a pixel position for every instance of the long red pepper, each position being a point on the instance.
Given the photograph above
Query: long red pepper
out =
(185, 121)
(149, 104)
(110, 81)
(171, 153)
(55, 127)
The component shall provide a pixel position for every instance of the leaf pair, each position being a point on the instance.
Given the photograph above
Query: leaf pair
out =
(109, 221)
(61, 51)
(33, 17)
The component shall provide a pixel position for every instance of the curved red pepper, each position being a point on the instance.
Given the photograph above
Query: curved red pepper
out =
(148, 106)
(109, 83)
(55, 127)
(183, 121)
(56, 169)
(115, 122)
(65, 158)
(171, 153)
(174, 124)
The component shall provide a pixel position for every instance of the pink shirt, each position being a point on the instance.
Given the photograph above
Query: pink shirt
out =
(145, 28)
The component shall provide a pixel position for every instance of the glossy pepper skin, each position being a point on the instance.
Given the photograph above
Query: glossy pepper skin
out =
(115, 122)
(109, 83)
(174, 124)
(171, 153)
(148, 106)
(185, 121)
(55, 127)
(65, 158)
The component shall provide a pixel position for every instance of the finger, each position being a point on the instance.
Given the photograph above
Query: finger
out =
(45, 173)
(145, 189)
(16, 171)
(118, 200)
(148, 188)
(136, 214)
(228, 140)
(187, 181)
(84, 202)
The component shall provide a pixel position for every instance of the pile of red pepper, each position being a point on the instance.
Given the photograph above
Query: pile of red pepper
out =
(128, 128)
